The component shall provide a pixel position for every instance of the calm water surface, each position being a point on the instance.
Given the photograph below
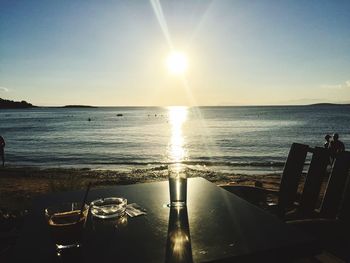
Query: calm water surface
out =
(235, 139)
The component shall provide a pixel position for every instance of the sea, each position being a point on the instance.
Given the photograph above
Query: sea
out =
(239, 140)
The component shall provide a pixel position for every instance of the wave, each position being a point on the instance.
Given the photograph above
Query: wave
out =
(72, 160)
(201, 163)
(192, 163)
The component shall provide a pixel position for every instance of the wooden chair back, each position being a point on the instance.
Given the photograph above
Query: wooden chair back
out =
(315, 175)
(335, 188)
(291, 176)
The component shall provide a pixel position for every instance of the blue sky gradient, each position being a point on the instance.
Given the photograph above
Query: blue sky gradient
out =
(113, 52)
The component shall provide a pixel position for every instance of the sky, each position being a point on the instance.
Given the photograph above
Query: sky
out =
(113, 53)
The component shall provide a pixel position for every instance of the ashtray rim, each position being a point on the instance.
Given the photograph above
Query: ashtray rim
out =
(98, 203)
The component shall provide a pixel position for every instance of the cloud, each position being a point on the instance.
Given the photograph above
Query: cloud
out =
(3, 89)
(332, 87)
(341, 86)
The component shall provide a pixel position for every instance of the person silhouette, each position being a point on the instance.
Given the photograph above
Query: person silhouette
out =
(336, 146)
(2, 151)
(327, 142)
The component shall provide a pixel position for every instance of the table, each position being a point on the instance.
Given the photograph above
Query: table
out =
(219, 225)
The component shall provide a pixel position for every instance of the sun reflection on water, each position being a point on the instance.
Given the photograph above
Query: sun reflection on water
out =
(177, 117)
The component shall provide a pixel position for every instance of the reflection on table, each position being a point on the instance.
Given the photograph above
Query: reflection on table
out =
(178, 246)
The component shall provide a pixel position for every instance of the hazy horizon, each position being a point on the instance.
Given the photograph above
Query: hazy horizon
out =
(114, 52)
(164, 106)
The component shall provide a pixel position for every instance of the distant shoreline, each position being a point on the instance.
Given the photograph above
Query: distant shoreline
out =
(329, 104)
(10, 104)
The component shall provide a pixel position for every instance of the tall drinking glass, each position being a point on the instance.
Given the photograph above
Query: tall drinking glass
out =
(177, 186)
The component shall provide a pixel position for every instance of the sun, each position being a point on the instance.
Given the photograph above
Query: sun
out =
(177, 62)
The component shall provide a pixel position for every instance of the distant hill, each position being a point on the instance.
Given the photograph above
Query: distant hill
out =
(78, 106)
(329, 104)
(10, 104)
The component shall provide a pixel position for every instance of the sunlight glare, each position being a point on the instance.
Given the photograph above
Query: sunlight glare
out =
(177, 62)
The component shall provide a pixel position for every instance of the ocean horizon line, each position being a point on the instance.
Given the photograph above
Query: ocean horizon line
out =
(10, 104)
(191, 106)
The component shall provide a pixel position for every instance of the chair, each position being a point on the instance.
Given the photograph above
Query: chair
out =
(332, 233)
(287, 194)
(306, 207)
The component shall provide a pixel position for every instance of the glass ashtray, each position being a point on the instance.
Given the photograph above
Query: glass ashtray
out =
(109, 207)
